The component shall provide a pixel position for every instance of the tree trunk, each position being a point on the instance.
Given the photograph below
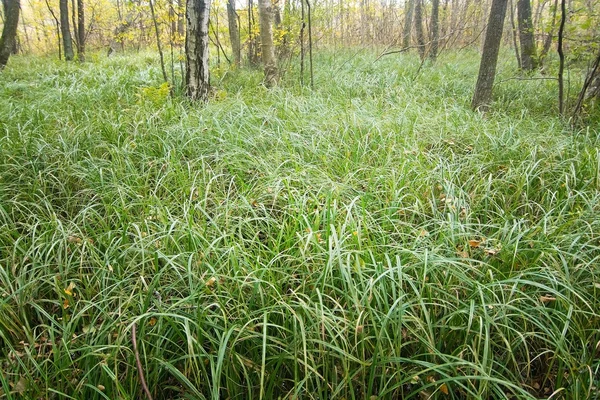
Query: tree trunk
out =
(548, 40)
(180, 12)
(266, 40)
(65, 30)
(234, 33)
(419, 27)
(487, 68)
(408, 17)
(528, 53)
(9, 32)
(435, 30)
(514, 33)
(80, 31)
(197, 75)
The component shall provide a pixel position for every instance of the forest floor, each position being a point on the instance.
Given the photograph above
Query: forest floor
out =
(371, 238)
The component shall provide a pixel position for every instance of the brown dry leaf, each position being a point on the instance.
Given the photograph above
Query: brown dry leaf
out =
(101, 388)
(430, 379)
(20, 386)
(423, 233)
(547, 299)
(74, 239)
(66, 304)
(211, 282)
(474, 243)
(492, 252)
(444, 388)
(152, 321)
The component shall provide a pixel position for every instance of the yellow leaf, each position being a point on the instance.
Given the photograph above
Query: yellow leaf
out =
(152, 321)
(69, 289)
(474, 243)
(66, 304)
(444, 388)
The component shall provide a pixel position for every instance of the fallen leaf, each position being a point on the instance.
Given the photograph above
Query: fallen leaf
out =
(474, 243)
(152, 321)
(211, 282)
(547, 299)
(423, 233)
(69, 289)
(492, 252)
(444, 388)
(66, 304)
(20, 386)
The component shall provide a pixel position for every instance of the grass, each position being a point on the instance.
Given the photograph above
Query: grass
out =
(373, 238)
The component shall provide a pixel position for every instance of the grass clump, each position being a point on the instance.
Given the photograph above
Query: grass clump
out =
(373, 238)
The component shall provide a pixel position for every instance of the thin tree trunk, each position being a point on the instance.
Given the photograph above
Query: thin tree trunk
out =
(57, 23)
(408, 17)
(528, 52)
(180, 13)
(310, 45)
(435, 30)
(419, 28)
(514, 33)
(265, 12)
(561, 56)
(158, 44)
(197, 75)
(234, 33)
(549, 37)
(65, 30)
(302, 26)
(489, 59)
(9, 31)
(80, 31)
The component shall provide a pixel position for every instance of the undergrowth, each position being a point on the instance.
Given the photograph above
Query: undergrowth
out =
(371, 238)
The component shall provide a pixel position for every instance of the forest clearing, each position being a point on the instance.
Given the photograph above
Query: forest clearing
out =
(352, 228)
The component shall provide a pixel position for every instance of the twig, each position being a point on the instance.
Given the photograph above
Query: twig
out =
(516, 78)
(139, 362)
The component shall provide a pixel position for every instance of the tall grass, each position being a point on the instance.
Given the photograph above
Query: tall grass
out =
(373, 238)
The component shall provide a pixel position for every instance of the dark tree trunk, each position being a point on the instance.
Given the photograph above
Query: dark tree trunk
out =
(435, 29)
(265, 11)
(65, 30)
(197, 76)
(419, 27)
(234, 33)
(9, 32)
(80, 31)
(561, 56)
(408, 17)
(487, 68)
(528, 53)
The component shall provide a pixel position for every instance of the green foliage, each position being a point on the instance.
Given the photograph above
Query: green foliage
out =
(373, 238)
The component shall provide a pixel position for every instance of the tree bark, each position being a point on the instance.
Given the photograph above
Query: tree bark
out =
(65, 30)
(266, 40)
(528, 52)
(489, 59)
(419, 27)
(80, 31)
(435, 29)
(9, 32)
(408, 17)
(549, 36)
(197, 75)
(561, 56)
(234, 33)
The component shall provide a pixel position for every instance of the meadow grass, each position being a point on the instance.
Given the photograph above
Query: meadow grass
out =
(371, 238)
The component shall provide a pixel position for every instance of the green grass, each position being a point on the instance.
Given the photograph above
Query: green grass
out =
(373, 238)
